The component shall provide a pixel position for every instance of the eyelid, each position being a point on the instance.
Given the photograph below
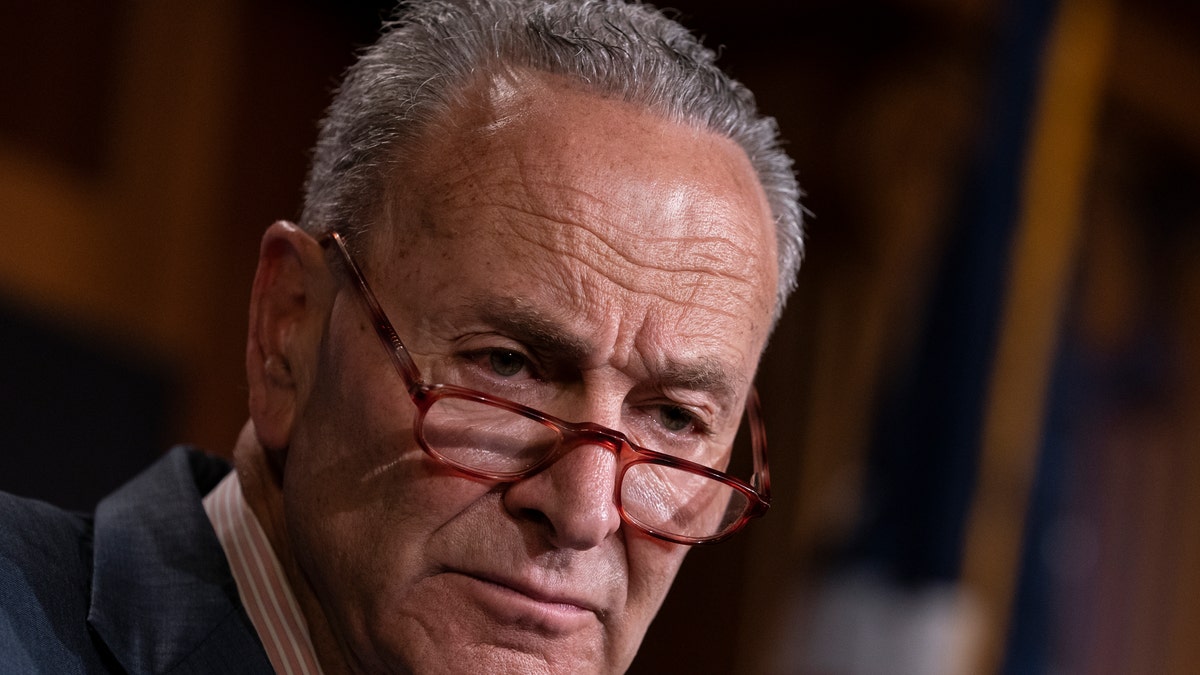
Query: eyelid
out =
(701, 419)
(504, 344)
(701, 405)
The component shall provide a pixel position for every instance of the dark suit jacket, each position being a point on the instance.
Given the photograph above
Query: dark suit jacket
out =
(141, 587)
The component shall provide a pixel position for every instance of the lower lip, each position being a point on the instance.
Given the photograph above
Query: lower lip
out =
(512, 607)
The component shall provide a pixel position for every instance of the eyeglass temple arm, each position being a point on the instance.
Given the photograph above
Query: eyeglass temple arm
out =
(399, 353)
(758, 433)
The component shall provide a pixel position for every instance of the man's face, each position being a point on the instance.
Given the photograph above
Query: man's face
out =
(555, 240)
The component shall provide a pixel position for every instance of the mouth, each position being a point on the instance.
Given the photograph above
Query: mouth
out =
(527, 604)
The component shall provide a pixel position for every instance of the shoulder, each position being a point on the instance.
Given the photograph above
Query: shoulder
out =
(42, 546)
(141, 586)
(45, 584)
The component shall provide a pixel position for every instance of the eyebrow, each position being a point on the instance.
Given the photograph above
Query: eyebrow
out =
(531, 327)
(704, 374)
(547, 337)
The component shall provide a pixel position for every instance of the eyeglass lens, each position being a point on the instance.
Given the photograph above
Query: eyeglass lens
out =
(481, 437)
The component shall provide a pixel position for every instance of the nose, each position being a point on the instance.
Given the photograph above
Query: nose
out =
(572, 499)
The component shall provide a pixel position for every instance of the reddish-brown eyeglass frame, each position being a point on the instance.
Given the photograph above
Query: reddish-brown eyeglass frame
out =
(628, 454)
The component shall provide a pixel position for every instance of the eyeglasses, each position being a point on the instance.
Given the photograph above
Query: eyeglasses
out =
(492, 438)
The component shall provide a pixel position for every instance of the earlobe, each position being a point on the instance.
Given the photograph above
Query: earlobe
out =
(289, 304)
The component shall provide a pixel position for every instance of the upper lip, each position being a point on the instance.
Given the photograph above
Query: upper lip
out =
(535, 590)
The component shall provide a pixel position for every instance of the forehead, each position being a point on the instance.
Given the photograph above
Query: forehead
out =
(536, 189)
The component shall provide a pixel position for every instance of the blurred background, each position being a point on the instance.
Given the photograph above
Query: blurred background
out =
(983, 401)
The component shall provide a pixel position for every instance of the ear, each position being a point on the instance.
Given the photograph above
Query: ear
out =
(289, 307)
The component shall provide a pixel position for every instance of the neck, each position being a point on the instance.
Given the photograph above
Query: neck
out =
(260, 472)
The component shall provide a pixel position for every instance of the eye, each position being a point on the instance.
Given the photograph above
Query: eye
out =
(675, 418)
(506, 362)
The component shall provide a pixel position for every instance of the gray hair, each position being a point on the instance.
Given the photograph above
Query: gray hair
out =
(430, 53)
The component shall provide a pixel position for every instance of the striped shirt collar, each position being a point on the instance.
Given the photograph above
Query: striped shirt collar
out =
(261, 583)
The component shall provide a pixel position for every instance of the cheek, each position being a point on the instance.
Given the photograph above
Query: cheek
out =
(361, 499)
(652, 567)
(363, 541)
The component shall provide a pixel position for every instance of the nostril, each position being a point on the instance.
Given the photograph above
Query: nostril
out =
(537, 518)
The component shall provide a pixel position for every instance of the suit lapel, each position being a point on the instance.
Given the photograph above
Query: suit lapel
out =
(163, 598)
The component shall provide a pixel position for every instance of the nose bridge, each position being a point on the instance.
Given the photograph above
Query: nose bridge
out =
(586, 472)
(592, 434)
(591, 453)
(586, 415)
(591, 443)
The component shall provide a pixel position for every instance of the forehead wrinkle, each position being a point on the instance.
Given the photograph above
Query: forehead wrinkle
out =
(690, 250)
(586, 245)
(563, 203)
(623, 252)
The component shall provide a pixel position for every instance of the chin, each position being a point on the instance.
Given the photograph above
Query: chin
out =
(499, 658)
(442, 644)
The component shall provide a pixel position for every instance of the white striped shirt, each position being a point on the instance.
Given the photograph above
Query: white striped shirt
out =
(261, 583)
